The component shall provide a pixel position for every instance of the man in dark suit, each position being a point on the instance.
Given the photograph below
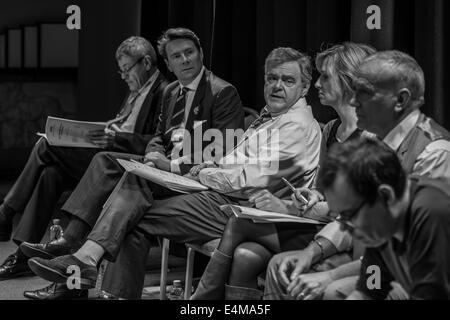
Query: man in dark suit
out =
(51, 170)
(198, 101)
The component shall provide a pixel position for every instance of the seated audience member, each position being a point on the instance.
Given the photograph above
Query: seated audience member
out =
(404, 223)
(197, 96)
(389, 91)
(246, 247)
(51, 170)
(283, 142)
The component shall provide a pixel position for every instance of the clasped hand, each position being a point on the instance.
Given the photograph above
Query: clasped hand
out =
(300, 285)
(158, 160)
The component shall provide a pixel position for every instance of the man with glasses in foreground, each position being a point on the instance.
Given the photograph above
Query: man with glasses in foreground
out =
(51, 170)
(404, 223)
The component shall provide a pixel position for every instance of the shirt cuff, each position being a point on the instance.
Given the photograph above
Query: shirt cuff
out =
(175, 166)
(342, 240)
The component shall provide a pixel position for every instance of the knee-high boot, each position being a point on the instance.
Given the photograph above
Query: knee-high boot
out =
(242, 293)
(212, 283)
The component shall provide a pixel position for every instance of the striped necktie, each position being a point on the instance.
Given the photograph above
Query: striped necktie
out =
(178, 111)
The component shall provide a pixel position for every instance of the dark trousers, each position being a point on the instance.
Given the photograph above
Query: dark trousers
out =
(95, 187)
(48, 172)
(194, 218)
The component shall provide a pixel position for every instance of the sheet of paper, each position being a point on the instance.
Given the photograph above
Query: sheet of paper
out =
(167, 179)
(70, 133)
(261, 216)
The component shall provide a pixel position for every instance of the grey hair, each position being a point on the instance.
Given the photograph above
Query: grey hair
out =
(282, 55)
(404, 70)
(136, 47)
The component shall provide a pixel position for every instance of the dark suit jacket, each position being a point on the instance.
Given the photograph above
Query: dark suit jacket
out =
(146, 123)
(216, 103)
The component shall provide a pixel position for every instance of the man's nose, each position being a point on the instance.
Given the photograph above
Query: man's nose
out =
(278, 84)
(185, 58)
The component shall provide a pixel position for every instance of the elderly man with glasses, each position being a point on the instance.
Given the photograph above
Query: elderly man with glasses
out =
(51, 170)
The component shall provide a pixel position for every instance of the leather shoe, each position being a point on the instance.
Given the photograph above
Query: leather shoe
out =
(57, 270)
(49, 250)
(14, 267)
(56, 291)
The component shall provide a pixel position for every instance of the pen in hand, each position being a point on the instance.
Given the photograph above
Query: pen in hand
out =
(298, 195)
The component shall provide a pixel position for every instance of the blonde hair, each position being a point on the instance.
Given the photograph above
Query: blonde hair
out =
(342, 61)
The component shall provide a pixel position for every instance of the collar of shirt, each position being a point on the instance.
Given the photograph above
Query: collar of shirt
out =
(144, 89)
(397, 135)
(301, 103)
(194, 84)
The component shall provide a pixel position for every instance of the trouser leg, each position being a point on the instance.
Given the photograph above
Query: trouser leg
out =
(101, 177)
(194, 218)
(39, 210)
(125, 277)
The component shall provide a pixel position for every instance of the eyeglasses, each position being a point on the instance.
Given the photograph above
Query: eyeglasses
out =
(345, 219)
(127, 70)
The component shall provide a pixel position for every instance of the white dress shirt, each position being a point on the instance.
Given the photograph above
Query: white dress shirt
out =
(259, 160)
(130, 122)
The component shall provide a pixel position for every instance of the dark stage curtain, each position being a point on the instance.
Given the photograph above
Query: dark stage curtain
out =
(245, 32)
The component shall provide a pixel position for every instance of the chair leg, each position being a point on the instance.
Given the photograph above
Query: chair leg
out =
(164, 265)
(189, 273)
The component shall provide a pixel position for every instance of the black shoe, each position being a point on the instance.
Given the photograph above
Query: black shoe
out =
(56, 291)
(14, 267)
(56, 270)
(49, 250)
(6, 224)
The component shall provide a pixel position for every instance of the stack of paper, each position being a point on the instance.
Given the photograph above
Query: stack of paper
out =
(70, 133)
(167, 179)
(260, 216)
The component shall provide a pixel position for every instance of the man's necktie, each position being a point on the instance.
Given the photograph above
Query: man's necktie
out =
(178, 111)
(263, 117)
(125, 112)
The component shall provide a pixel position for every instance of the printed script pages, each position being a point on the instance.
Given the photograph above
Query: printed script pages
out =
(167, 179)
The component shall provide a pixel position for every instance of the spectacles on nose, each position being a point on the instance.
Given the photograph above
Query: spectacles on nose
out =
(127, 70)
(344, 218)
(273, 80)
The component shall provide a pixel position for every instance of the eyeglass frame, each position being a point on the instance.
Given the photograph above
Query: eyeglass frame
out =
(346, 220)
(127, 71)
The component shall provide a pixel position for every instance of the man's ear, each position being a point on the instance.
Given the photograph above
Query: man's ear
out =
(305, 90)
(403, 99)
(147, 63)
(387, 193)
(201, 54)
(168, 65)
